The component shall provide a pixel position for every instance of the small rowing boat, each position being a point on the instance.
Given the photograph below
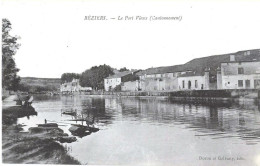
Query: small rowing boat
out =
(77, 129)
(73, 113)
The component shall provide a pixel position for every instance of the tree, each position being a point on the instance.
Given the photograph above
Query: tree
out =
(68, 77)
(94, 77)
(123, 69)
(10, 79)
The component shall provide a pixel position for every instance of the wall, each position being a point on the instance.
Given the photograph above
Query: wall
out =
(219, 80)
(228, 69)
(232, 93)
(149, 84)
(171, 83)
(111, 83)
(213, 86)
(70, 87)
(201, 81)
(159, 84)
(130, 86)
(73, 86)
(230, 76)
(231, 82)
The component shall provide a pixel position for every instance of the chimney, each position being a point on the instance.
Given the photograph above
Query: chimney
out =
(232, 58)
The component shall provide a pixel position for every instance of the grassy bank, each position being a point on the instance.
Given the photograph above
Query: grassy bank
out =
(27, 148)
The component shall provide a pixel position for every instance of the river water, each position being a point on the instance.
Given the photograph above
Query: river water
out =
(154, 131)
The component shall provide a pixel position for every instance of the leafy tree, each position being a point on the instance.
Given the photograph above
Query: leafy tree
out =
(117, 88)
(94, 77)
(68, 77)
(123, 69)
(10, 79)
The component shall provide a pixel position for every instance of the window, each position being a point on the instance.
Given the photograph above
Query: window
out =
(257, 84)
(196, 84)
(247, 83)
(240, 70)
(183, 84)
(240, 83)
(189, 84)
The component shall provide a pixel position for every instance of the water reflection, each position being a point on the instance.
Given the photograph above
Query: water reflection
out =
(152, 125)
(215, 120)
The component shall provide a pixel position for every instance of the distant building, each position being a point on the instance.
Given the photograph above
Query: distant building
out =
(192, 75)
(160, 78)
(130, 86)
(239, 73)
(194, 81)
(73, 86)
(158, 82)
(239, 70)
(111, 82)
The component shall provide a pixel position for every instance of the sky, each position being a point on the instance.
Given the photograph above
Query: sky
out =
(56, 39)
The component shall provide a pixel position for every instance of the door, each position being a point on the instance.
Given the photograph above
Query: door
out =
(189, 84)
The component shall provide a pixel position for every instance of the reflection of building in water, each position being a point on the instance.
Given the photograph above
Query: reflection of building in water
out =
(206, 119)
(73, 86)
(91, 109)
(113, 104)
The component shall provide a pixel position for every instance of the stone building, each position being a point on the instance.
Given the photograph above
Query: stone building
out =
(173, 78)
(158, 82)
(116, 80)
(130, 85)
(194, 81)
(160, 78)
(73, 87)
(239, 75)
(192, 75)
(206, 73)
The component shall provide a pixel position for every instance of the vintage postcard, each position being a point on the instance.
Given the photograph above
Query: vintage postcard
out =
(131, 82)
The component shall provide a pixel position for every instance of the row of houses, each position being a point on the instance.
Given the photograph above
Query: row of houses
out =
(240, 70)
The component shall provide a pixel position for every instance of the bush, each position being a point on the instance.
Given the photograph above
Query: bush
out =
(117, 88)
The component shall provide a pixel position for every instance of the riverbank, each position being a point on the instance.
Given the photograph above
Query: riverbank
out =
(29, 148)
(213, 96)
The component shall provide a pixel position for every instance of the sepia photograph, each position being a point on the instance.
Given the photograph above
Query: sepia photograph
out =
(130, 82)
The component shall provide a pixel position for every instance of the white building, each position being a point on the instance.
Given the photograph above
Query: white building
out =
(73, 86)
(239, 75)
(111, 82)
(194, 81)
